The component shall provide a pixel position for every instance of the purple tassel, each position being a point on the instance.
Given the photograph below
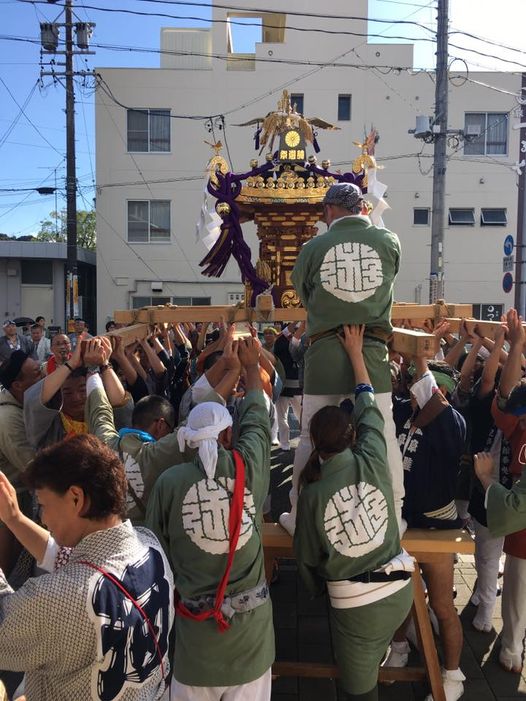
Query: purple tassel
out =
(256, 138)
(315, 142)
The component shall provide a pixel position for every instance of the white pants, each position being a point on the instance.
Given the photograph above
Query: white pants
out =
(513, 606)
(258, 690)
(282, 411)
(487, 557)
(311, 404)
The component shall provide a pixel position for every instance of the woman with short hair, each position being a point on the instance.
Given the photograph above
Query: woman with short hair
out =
(97, 626)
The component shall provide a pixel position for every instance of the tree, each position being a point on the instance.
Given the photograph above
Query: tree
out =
(54, 229)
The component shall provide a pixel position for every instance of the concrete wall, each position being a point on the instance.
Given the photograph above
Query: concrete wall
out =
(473, 255)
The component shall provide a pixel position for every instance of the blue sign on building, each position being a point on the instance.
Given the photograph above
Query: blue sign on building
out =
(508, 245)
(507, 282)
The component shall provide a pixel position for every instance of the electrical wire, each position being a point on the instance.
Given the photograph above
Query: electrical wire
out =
(237, 8)
(15, 121)
(307, 29)
(145, 182)
(28, 119)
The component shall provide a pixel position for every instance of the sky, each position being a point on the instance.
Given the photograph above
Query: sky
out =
(32, 140)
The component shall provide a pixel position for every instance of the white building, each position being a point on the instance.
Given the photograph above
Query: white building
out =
(150, 163)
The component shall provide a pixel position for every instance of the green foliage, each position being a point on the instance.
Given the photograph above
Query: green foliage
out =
(54, 229)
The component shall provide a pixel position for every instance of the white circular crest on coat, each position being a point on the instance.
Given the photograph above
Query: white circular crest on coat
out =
(205, 512)
(351, 272)
(355, 519)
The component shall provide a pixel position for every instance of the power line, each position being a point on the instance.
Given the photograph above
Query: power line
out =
(238, 8)
(231, 57)
(27, 118)
(145, 182)
(15, 121)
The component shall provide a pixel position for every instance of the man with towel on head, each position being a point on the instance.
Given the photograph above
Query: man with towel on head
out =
(346, 276)
(207, 515)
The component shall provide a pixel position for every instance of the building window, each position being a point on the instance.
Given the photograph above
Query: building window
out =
(235, 297)
(493, 217)
(421, 216)
(138, 302)
(486, 133)
(344, 108)
(36, 272)
(462, 217)
(148, 131)
(149, 221)
(296, 99)
(192, 301)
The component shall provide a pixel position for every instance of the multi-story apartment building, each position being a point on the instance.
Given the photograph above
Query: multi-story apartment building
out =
(151, 158)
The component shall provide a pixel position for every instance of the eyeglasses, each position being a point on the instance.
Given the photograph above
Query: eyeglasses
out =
(161, 418)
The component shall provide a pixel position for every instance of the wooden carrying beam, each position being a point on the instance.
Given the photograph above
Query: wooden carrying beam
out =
(405, 341)
(130, 334)
(485, 328)
(417, 343)
(263, 313)
(419, 312)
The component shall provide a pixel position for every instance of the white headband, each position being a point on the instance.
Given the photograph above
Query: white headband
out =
(205, 423)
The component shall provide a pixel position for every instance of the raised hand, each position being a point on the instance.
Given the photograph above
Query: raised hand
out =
(95, 352)
(249, 350)
(77, 356)
(352, 339)
(230, 354)
(9, 509)
(516, 334)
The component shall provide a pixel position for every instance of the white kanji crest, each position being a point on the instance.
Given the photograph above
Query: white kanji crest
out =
(205, 512)
(351, 272)
(355, 519)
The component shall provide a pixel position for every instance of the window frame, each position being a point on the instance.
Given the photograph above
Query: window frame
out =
(504, 211)
(151, 300)
(422, 209)
(149, 111)
(149, 242)
(29, 265)
(349, 118)
(294, 98)
(484, 134)
(461, 223)
(193, 299)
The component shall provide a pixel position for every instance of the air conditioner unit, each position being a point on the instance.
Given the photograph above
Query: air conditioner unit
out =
(473, 130)
(157, 286)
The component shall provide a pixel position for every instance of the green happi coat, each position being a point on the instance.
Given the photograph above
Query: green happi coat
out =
(326, 544)
(143, 461)
(346, 276)
(506, 508)
(346, 525)
(189, 515)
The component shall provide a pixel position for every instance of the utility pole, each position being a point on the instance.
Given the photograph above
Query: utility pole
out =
(440, 134)
(520, 283)
(71, 175)
(50, 35)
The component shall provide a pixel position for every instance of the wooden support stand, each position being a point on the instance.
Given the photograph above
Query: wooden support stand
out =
(425, 546)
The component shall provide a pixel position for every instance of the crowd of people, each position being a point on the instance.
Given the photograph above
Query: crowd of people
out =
(134, 480)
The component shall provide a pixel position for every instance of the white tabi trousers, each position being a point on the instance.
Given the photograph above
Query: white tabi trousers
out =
(513, 606)
(311, 404)
(487, 558)
(282, 411)
(258, 690)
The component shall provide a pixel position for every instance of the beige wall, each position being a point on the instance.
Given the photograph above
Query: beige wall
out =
(473, 255)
